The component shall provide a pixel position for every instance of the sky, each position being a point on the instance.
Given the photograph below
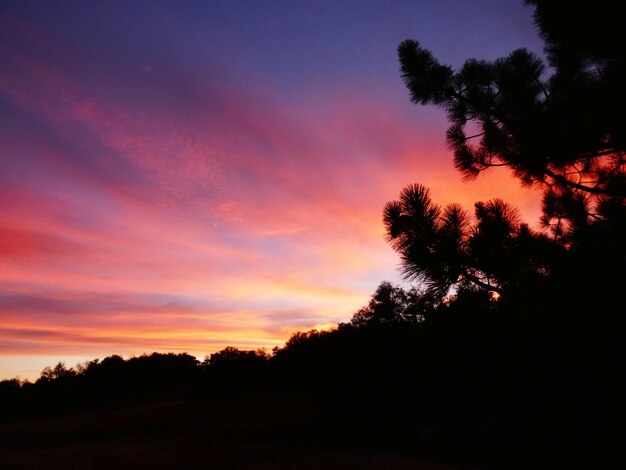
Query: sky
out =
(182, 176)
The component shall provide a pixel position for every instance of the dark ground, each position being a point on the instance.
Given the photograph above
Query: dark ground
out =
(224, 435)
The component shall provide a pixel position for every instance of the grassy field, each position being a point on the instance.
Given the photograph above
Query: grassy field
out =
(170, 435)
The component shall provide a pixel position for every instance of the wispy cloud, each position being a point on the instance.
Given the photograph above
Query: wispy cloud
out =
(155, 201)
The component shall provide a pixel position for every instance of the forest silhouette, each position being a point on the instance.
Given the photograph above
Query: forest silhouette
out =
(509, 349)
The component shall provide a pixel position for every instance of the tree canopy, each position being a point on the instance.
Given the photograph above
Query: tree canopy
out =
(555, 123)
(441, 247)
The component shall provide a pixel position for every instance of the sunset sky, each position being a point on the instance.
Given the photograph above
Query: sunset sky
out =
(181, 176)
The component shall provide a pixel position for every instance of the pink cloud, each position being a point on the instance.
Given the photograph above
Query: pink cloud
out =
(263, 216)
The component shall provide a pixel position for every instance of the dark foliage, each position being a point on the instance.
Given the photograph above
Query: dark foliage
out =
(467, 379)
(443, 249)
(230, 373)
(557, 340)
(112, 381)
(557, 126)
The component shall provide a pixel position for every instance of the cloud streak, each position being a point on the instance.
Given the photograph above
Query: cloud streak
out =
(154, 198)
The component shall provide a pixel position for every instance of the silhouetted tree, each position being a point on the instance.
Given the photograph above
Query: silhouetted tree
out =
(392, 304)
(234, 360)
(563, 132)
(231, 372)
(558, 126)
(58, 374)
(443, 248)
